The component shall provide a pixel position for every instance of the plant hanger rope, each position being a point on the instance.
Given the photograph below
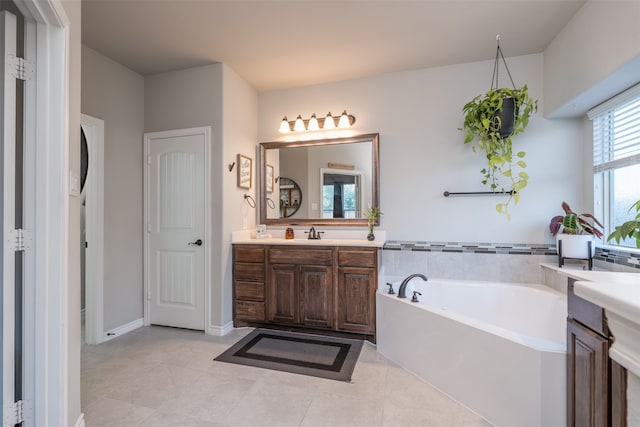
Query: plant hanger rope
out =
(496, 67)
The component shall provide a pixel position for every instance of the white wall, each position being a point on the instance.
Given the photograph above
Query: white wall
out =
(240, 116)
(422, 154)
(115, 94)
(595, 56)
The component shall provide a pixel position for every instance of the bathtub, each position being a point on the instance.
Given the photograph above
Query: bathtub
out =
(498, 349)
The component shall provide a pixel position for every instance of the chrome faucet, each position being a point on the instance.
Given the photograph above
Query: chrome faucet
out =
(313, 234)
(402, 292)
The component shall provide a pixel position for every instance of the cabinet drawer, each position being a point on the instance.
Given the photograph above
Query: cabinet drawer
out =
(301, 256)
(248, 254)
(585, 312)
(250, 290)
(357, 258)
(245, 271)
(250, 310)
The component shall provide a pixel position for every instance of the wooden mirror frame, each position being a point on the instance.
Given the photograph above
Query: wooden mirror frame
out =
(375, 180)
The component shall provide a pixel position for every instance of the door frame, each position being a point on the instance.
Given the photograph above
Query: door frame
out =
(94, 225)
(148, 137)
(46, 215)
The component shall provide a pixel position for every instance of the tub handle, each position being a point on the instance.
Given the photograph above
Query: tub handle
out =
(391, 291)
(414, 298)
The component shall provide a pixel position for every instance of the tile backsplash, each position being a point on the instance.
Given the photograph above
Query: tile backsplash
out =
(516, 263)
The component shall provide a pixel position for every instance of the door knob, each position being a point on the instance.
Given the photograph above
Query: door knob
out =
(196, 243)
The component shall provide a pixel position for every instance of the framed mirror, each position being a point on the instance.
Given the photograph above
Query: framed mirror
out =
(339, 178)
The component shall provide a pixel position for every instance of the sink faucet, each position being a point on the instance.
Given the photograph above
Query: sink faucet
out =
(313, 234)
(403, 286)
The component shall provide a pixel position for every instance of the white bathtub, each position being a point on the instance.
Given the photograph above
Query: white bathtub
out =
(498, 349)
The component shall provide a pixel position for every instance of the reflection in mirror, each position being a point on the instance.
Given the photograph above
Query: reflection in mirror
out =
(340, 193)
(338, 177)
(290, 197)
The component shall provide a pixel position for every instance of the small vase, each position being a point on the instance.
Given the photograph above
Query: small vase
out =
(371, 237)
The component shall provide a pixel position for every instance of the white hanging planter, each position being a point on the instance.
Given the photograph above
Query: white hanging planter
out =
(576, 245)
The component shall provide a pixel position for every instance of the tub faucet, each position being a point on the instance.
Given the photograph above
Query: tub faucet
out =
(403, 286)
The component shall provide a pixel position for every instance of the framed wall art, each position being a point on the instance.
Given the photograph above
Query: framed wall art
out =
(244, 171)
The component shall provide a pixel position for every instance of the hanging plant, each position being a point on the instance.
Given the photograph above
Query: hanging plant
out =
(491, 121)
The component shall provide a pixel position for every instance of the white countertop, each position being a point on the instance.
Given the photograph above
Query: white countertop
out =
(595, 275)
(329, 238)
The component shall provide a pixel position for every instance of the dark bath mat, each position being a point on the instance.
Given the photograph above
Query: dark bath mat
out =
(315, 355)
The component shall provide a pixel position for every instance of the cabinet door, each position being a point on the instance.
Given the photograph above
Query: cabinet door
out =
(588, 377)
(283, 294)
(316, 294)
(356, 300)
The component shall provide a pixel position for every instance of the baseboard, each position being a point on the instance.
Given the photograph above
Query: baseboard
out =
(121, 330)
(220, 330)
(80, 422)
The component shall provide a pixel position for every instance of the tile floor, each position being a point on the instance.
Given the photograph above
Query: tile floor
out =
(156, 376)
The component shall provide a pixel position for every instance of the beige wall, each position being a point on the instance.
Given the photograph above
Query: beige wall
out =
(595, 56)
(73, 11)
(115, 94)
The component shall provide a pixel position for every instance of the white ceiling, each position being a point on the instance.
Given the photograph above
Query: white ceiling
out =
(279, 44)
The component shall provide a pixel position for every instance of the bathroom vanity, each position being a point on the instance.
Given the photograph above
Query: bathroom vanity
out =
(306, 286)
(597, 383)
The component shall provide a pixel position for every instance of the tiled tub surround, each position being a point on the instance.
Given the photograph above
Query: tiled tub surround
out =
(497, 348)
(501, 262)
(513, 263)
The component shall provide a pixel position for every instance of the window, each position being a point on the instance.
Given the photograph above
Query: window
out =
(616, 159)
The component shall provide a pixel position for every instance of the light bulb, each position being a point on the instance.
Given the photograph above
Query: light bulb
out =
(344, 120)
(313, 123)
(328, 122)
(299, 126)
(284, 125)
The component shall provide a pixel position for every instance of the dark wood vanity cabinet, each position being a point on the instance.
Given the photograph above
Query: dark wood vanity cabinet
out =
(249, 283)
(316, 287)
(300, 286)
(357, 285)
(596, 385)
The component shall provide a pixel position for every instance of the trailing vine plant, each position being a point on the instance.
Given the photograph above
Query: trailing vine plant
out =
(505, 170)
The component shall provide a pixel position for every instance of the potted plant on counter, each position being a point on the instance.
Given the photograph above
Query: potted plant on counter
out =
(372, 215)
(629, 229)
(574, 232)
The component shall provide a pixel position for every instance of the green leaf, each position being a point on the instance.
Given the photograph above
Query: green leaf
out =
(499, 207)
(522, 164)
(523, 175)
(521, 154)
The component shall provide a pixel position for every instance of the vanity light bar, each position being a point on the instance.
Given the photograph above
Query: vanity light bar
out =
(313, 123)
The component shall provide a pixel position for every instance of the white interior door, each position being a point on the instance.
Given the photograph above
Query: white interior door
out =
(176, 230)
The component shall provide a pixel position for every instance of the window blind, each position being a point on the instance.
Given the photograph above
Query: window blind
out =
(616, 131)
